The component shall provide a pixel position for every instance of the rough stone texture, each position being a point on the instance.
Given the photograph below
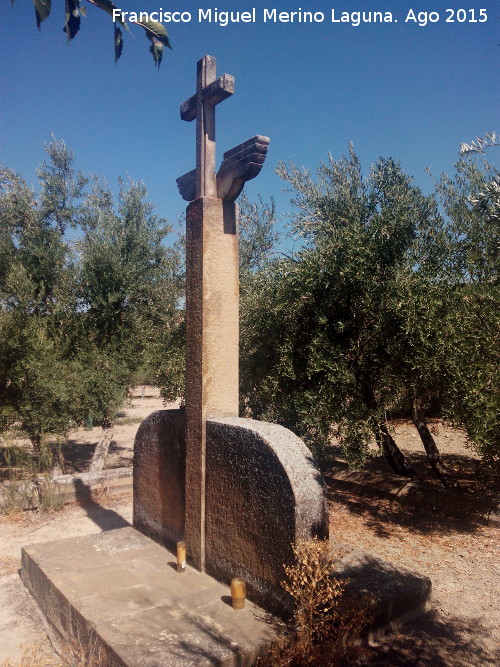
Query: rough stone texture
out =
(159, 476)
(264, 492)
(212, 344)
(118, 594)
(212, 305)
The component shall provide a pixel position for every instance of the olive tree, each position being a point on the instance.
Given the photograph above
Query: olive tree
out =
(78, 315)
(380, 309)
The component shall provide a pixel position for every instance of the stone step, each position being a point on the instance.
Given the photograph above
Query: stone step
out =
(118, 596)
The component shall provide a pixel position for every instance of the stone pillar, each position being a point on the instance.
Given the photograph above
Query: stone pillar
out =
(212, 312)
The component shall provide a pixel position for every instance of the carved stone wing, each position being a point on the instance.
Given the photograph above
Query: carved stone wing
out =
(240, 164)
(187, 185)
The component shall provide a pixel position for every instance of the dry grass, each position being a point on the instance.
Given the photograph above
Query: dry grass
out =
(12, 515)
(326, 624)
(102, 496)
(84, 653)
(127, 421)
(8, 565)
(34, 655)
(73, 653)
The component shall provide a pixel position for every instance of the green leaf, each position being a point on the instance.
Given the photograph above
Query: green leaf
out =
(42, 10)
(158, 37)
(118, 42)
(108, 6)
(155, 30)
(72, 18)
(156, 50)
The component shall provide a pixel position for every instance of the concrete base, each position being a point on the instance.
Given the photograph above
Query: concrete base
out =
(116, 597)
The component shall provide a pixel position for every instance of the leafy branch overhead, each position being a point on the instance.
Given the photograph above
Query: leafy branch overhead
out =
(155, 31)
(480, 143)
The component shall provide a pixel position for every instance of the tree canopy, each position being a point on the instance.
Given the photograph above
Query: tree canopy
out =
(80, 313)
(390, 304)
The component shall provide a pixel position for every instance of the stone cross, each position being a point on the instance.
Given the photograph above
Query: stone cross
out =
(240, 492)
(212, 285)
(209, 92)
(241, 163)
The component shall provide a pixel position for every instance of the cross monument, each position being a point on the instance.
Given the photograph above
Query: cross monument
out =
(240, 492)
(212, 285)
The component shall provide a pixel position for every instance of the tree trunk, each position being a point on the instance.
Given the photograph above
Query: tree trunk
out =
(440, 469)
(395, 457)
(101, 451)
(36, 441)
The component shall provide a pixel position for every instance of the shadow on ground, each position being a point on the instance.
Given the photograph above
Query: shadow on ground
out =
(77, 455)
(434, 640)
(424, 507)
(424, 515)
(467, 470)
(105, 518)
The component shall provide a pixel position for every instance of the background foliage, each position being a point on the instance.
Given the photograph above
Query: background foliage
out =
(85, 292)
(388, 306)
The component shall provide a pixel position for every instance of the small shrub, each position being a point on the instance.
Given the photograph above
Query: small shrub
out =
(16, 496)
(326, 622)
(18, 461)
(52, 498)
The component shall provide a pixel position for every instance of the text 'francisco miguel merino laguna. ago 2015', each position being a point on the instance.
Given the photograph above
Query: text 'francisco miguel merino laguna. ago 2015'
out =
(273, 15)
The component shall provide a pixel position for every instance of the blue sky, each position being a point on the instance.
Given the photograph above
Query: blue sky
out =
(393, 89)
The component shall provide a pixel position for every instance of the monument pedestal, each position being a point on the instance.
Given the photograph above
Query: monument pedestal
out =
(116, 597)
(263, 494)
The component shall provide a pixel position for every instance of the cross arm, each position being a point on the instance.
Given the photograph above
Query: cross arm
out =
(218, 90)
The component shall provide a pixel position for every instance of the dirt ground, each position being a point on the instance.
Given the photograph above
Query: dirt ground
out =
(461, 557)
(460, 554)
(77, 451)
